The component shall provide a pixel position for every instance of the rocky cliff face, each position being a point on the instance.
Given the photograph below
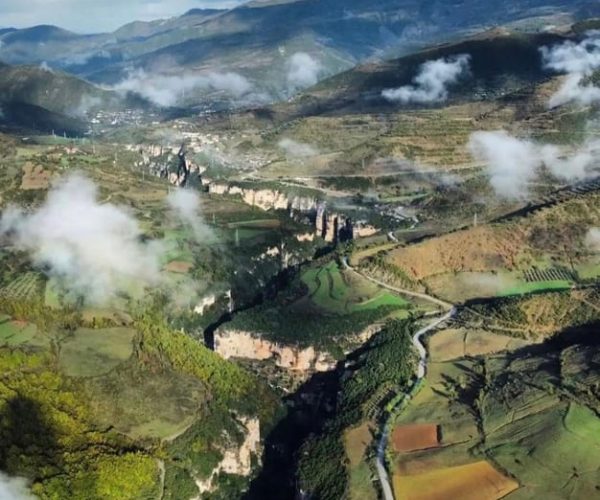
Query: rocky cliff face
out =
(248, 345)
(236, 460)
(240, 344)
(265, 199)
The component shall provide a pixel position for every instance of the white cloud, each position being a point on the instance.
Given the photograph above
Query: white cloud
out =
(297, 149)
(571, 57)
(45, 67)
(95, 249)
(512, 164)
(574, 89)
(578, 165)
(86, 104)
(592, 239)
(579, 61)
(14, 488)
(303, 71)
(185, 203)
(432, 82)
(169, 89)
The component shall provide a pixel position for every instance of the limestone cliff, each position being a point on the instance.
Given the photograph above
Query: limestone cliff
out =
(248, 345)
(236, 460)
(265, 199)
(241, 344)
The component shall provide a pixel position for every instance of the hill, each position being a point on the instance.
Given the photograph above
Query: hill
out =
(53, 90)
(37, 98)
(501, 63)
(256, 39)
(503, 418)
(135, 410)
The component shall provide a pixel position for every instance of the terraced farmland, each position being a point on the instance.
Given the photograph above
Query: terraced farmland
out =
(338, 291)
(25, 286)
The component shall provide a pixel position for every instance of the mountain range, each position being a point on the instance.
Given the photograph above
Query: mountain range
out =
(256, 40)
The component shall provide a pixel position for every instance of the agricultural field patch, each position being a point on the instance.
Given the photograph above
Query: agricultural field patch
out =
(179, 267)
(344, 291)
(590, 269)
(35, 177)
(14, 333)
(480, 249)
(90, 352)
(256, 224)
(536, 316)
(438, 402)
(356, 442)
(413, 437)
(542, 250)
(537, 287)
(475, 481)
(143, 404)
(453, 343)
(553, 453)
(528, 413)
(26, 286)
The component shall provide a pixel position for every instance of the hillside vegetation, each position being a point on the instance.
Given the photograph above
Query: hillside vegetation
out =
(104, 437)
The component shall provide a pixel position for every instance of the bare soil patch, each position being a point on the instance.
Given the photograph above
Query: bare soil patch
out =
(414, 437)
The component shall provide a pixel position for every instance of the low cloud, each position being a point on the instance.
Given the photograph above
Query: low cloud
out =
(592, 239)
(579, 61)
(415, 173)
(303, 71)
(45, 67)
(432, 81)
(512, 163)
(185, 204)
(86, 104)
(168, 89)
(82, 58)
(486, 284)
(295, 149)
(95, 249)
(14, 488)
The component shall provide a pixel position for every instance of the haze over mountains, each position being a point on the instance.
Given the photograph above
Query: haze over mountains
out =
(246, 53)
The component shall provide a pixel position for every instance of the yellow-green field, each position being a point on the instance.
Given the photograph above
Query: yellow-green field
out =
(475, 481)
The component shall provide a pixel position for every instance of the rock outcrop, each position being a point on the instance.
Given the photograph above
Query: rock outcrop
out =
(236, 460)
(241, 344)
(248, 345)
(265, 199)
(205, 303)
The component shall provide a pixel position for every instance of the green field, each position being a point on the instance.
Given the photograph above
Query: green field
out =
(90, 352)
(13, 333)
(25, 286)
(537, 287)
(560, 445)
(528, 415)
(340, 291)
(258, 224)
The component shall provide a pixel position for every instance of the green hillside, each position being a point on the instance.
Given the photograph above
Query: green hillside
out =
(134, 412)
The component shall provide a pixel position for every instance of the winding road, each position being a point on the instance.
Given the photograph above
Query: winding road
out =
(384, 477)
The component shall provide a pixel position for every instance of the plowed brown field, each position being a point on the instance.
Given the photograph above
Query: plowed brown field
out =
(415, 437)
